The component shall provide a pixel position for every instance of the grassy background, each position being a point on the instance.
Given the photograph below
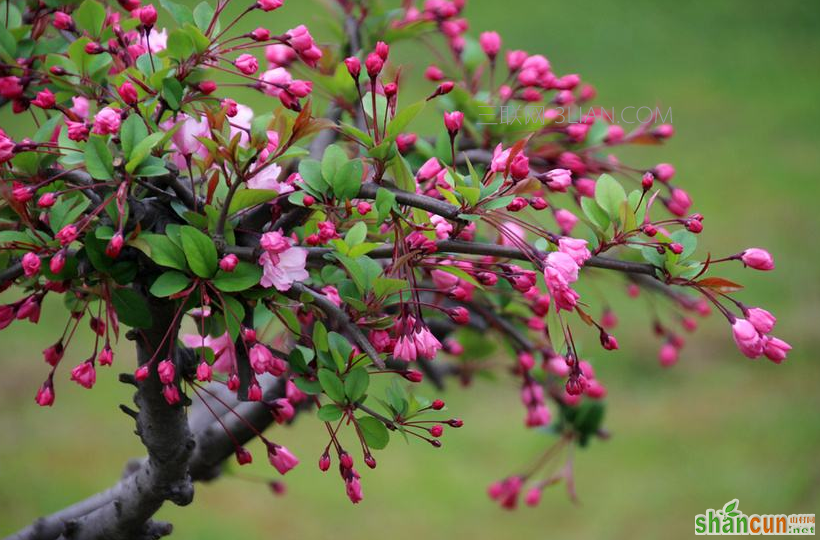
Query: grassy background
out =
(740, 79)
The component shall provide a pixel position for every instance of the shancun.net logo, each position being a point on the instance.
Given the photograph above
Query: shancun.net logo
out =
(730, 520)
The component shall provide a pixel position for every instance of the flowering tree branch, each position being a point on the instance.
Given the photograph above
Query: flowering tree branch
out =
(309, 252)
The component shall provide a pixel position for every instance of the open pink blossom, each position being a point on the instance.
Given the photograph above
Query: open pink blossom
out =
(281, 269)
(222, 346)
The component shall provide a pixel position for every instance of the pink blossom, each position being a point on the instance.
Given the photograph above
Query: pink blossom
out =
(222, 347)
(269, 5)
(106, 122)
(280, 55)
(84, 374)
(405, 349)
(747, 338)
(275, 80)
(158, 40)
(453, 121)
(77, 131)
(762, 320)
(533, 496)
(283, 269)
(575, 248)
(757, 258)
(44, 100)
(204, 372)
(166, 371)
(7, 147)
(247, 64)
(10, 87)
(281, 458)
(679, 203)
(45, 396)
(171, 394)
(266, 176)
(500, 159)
(31, 264)
(332, 294)
(380, 339)
(490, 43)
(776, 349)
(429, 170)
(228, 263)
(80, 107)
(353, 488)
(559, 179)
(425, 342)
(185, 137)
(566, 220)
(106, 356)
(67, 234)
(282, 410)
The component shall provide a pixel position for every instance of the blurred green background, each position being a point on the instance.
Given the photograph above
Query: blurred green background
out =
(742, 80)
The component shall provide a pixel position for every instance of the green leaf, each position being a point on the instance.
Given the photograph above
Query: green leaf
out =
(65, 211)
(356, 384)
(609, 195)
(333, 160)
(172, 92)
(180, 45)
(311, 172)
(98, 160)
(162, 250)
(243, 277)
(596, 215)
(169, 283)
(375, 433)
(181, 14)
(348, 180)
(234, 313)
(203, 13)
(132, 131)
(356, 234)
(142, 150)
(385, 286)
(131, 308)
(320, 336)
(90, 16)
(357, 134)
(340, 349)
(200, 251)
(470, 194)
(403, 119)
(332, 385)
(385, 200)
(251, 197)
(329, 413)
(402, 174)
(688, 240)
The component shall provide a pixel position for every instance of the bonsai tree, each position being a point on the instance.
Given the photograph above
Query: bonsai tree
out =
(317, 256)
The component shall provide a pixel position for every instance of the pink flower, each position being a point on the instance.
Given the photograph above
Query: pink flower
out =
(559, 179)
(425, 342)
(762, 320)
(374, 64)
(353, 488)
(84, 374)
(45, 396)
(263, 361)
(157, 40)
(148, 15)
(747, 338)
(429, 170)
(204, 372)
(6, 147)
(266, 176)
(664, 172)
(247, 64)
(776, 349)
(282, 410)
(405, 349)
(275, 80)
(757, 258)
(566, 220)
(668, 355)
(171, 394)
(490, 43)
(44, 100)
(281, 458)
(31, 264)
(533, 497)
(166, 371)
(80, 107)
(281, 269)
(575, 248)
(67, 235)
(332, 294)
(679, 203)
(453, 121)
(228, 262)
(106, 122)
(114, 246)
(500, 159)
(77, 131)
(185, 137)
(62, 20)
(10, 87)
(106, 356)
(269, 5)
(280, 55)
(222, 346)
